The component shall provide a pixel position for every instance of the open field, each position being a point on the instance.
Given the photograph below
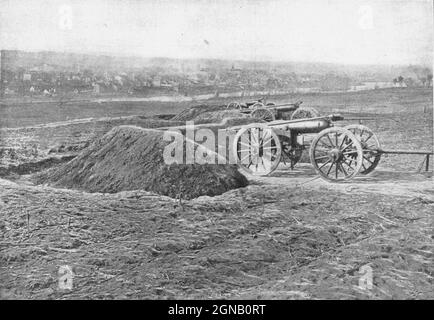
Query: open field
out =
(263, 241)
(289, 235)
(15, 114)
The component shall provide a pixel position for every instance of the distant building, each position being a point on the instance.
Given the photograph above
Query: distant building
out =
(156, 82)
(96, 88)
(27, 77)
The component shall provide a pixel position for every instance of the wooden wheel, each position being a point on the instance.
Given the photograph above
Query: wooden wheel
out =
(233, 105)
(257, 149)
(370, 146)
(336, 154)
(304, 113)
(263, 114)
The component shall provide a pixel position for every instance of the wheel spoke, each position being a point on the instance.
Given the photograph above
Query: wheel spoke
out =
(336, 171)
(342, 143)
(349, 164)
(245, 157)
(348, 145)
(328, 161)
(369, 138)
(368, 160)
(330, 168)
(342, 169)
(268, 141)
(325, 144)
(331, 142)
(322, 157)
(245, 150)
(322, 150)
(254, 137)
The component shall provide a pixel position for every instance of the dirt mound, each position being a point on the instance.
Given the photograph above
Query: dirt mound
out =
(193, 112)
(214, 116)
(131, 158)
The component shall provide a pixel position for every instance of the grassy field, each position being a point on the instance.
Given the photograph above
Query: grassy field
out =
(375, 101)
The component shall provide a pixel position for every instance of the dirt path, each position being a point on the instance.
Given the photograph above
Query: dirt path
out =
(67, 123)
(381, 181)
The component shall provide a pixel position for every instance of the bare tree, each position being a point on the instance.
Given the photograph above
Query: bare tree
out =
(429, 79)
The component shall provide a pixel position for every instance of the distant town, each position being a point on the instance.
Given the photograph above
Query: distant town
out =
(58, 74)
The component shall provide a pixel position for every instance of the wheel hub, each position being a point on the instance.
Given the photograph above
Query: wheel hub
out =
(335, 155)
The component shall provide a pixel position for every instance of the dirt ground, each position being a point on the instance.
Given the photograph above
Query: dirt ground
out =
(290, 235)
(280, 237)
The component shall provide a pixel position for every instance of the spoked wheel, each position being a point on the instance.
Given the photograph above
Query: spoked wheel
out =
(304, 113)
(257, 149)
(263, 114)
(370, 146)
(233, 105)
(336, 154)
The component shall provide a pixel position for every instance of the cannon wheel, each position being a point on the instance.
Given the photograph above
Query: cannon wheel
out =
(336, 154)
(257, 149)
(304, 113)
(370, 145)
(233, 105)
(263, 114)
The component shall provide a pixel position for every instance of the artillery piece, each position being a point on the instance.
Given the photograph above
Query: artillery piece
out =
(336, 153)
(270, 111)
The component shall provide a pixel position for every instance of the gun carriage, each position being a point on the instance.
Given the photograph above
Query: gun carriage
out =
(270, 111)
(336, 153)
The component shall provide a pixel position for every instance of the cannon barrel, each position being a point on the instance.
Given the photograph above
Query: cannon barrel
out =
(311, 125)
(308, 126)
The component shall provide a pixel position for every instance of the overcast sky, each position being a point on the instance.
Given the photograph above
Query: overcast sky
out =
(341, 31)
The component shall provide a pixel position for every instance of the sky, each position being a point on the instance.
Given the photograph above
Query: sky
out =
(335, 31)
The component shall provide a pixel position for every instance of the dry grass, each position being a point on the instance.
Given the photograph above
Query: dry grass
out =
(254, 242)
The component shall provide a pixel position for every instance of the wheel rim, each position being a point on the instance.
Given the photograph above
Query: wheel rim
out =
(263, 114)
(257, 149)
(304, 113)
(336, 154)
(370, 145)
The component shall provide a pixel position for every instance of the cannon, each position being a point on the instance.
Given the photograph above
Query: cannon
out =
(270, 111)
(336, 153)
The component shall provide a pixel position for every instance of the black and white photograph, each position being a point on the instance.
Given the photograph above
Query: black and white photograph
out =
(248, 150)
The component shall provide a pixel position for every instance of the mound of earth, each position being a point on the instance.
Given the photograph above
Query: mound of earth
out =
(193, 112)
(214, 116)
(131, 158)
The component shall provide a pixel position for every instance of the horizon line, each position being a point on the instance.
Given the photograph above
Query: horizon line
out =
(119, 55)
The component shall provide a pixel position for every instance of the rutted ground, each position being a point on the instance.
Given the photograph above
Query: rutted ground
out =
(289, 235)
(262, 241)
